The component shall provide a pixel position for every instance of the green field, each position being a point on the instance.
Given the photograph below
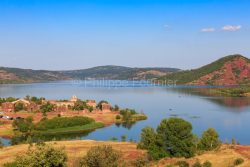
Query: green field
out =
(74, 129)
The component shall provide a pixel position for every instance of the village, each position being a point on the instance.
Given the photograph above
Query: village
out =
(38, 109)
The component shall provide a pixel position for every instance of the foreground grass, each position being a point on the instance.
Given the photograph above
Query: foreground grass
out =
(75, 150)
(74, 129)
(224, 157)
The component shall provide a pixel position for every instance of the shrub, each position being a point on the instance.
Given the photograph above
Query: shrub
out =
(42, 155)
(123, 138)
(19, 107)
(197, 164)
(210, 140)
(118, 117)
(207, 164)
(101, 156)
(182, 164)
(238, 161)
(148, 138)
(47, 107)
(140, 162)
(24, 126)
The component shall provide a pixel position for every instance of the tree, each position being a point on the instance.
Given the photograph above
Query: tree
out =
(209, 140)
(25, 126)
(123, 138)
(177, 138)
(148, 138)
(42, 155)
(48, 107)
(116, 108)
(101, 156)
(19, 107)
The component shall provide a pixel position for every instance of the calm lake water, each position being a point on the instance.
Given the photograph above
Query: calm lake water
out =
(229, 116)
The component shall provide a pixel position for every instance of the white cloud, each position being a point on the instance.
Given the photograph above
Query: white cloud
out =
(231, 27)
(208, 30)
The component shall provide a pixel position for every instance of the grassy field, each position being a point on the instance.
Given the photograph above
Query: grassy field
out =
(74, 129)
(224, 157)
(74, 150)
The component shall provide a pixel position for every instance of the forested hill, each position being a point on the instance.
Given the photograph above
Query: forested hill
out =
(16, 75)
(229, 70)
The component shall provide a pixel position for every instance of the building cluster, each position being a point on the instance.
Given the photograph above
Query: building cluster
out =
(59, 106)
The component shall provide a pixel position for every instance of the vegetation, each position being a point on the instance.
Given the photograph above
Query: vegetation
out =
(8, 99)
(63, 122)
(209, 140)
(131, 115)
(81, 105)
(47, 107)
(182, 164)
(73, 129)
(108, 72)
(197, 164)
(35, 100)
(41, 155)
(101, 156)
(27, 131)
(232, 92)
(174, 138)
(184, 77)
(207, 164)
(19, 107)
(238, 161)
(24, 126)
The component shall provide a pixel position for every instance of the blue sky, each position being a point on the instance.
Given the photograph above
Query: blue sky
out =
(76, 34)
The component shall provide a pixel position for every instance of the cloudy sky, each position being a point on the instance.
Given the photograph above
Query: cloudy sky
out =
(76, 34)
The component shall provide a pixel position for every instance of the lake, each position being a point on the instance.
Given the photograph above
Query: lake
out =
(229, 116)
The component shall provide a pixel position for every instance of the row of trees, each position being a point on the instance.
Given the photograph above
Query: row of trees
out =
(174, 138)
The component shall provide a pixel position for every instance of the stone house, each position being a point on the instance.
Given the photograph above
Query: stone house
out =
(105, 107)
(10, 106)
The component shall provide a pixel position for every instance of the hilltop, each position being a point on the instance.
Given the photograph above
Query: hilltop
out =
(229, 70)
(17, 75)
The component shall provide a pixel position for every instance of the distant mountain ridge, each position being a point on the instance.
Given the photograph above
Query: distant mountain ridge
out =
(229, 70)
(17, 75)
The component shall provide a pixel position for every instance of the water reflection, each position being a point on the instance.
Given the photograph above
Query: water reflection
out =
(206, 94)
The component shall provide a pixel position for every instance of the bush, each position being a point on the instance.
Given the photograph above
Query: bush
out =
(101, 156)
(197, 164)
(24, 126)
(41, 155)
(140, 162)
(118, 117)
(210, 140)
(19, 107)
(47, 107)
(63, 122)
(238, 161)
(182, 164)
(148, 138)
(207, 164)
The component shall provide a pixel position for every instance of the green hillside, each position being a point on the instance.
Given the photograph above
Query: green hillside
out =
(16, 75)
(187, 76)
